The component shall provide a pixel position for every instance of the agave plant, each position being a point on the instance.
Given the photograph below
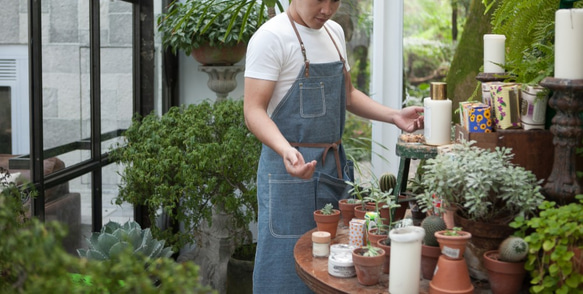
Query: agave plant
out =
(114, 238)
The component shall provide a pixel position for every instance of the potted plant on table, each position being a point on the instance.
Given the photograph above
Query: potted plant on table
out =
(487, 190)
(506, 266)
(430, 251)
(452, 242)
(214, 32)
(368, 263)
(555, 242)
(347, 206)
(327, 219)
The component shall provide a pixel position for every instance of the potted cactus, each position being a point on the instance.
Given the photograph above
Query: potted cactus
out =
(430, 251)
(505, 266)
(327, 219)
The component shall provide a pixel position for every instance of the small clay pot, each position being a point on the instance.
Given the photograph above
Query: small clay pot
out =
(347, 211)
(504, 277)
(368, 269)
(327, 223)
(453, 247)
(387, 248)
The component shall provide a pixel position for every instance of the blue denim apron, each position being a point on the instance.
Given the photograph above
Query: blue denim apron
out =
(311, 117)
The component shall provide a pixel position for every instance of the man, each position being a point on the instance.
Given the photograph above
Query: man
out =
(297, 89)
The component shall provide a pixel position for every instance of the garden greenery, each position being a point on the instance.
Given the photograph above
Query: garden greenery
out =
(188, 162)
(484, 185)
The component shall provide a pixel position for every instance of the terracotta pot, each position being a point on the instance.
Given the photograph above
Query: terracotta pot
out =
(208, 55)
(347, 210)
(359, 212)
(327, 223)
(374, 237)
(451, 276)
(577, 259)
(400, 211)
(387, 248)
(504, 277)
(485, 237)
(368, 269)
(429, 257)
(453, 247)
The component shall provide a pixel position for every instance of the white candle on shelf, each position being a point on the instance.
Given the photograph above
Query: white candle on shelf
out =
(569, 44)
(494, 53)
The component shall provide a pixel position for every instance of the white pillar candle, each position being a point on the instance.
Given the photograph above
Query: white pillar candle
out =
(569, 44)
(494, 53)
(405, 266)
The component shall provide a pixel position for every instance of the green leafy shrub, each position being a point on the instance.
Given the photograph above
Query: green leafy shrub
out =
(552, 237)
(188, 162)
(484, 185)
(33, 260)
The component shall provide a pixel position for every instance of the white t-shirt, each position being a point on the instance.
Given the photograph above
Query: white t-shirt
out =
(274, 52)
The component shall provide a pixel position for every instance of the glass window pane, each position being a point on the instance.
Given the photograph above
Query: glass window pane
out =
(116, 67)
(116, 94)
(65, 64)
(5, 121)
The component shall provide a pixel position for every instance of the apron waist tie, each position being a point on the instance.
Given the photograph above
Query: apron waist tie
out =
(326, 147)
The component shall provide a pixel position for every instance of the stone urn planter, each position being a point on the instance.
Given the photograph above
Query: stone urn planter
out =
(504, 277)
(368, 268)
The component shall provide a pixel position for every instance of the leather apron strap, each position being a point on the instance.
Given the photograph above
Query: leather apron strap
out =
(326, 147)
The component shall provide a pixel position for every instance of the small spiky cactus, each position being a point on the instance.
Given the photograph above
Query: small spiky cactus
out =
(387, 181)
(432, 224)
(513, 249)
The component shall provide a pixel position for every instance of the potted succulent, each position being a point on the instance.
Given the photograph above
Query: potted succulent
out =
(188, 163)
(506, 266)
(368, 263)
(327, 219)
(430, 251)
(554, 239)
(452, 242)
(213, 31)
(487, 191)
(115, 237)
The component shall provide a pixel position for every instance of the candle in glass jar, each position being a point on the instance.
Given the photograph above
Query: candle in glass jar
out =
(494, 53)
(569, 44)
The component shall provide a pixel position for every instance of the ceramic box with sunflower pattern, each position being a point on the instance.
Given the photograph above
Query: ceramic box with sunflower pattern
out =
(475, 117)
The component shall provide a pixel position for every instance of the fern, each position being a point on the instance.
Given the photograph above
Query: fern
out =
(529, 27)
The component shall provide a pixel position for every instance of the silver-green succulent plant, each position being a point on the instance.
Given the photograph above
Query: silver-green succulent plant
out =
(115, 238)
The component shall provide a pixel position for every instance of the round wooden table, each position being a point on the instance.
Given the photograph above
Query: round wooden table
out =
(314, 270)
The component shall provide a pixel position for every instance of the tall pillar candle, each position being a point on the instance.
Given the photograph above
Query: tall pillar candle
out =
(569, 44)
(405, 266)
(437, 112)
(494, 53)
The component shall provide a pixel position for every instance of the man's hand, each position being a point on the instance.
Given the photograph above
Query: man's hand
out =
(295, 165)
